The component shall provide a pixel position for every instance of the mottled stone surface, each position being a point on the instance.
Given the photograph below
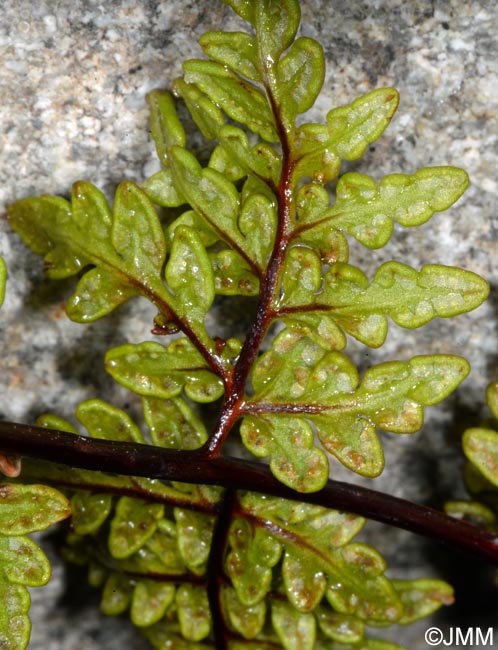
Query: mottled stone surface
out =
(73, 77)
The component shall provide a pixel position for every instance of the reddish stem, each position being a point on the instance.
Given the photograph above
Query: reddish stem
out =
(233, 404)
(133, 459)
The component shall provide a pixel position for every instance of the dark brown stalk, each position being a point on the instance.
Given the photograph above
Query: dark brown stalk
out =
(216, 569)
(144, 460)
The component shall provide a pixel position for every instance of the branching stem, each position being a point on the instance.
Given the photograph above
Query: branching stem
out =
(145, 460)
(232, 407)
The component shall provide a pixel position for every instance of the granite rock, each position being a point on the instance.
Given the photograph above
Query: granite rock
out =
(73, 78)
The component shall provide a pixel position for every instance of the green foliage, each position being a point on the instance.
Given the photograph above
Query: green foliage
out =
(23, 509)
(297, 373)
(256, 221)
(228, 239)
(480, 446)
(294, 563)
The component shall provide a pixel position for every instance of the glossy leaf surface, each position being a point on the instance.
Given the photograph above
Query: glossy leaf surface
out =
(173, 424)
(193, 612)
(481, 448)
(237, 50)
(132, 525)
(297, 371)
(194, 533)
(108, 422)
(89, 511)
(153, 370)
(241, 101)
(252, 555)
(127, 247)
(248, 226)
(15, 626)
(276, 26)
(28, 508)
(352, 128)
(288, 442)
(189, 274)
(167, 130)
(295, 630)
(23, 509)
(300, 75)
(206, 114)
(150, 601)
(410, 298)
(421, 598)
(366, 210)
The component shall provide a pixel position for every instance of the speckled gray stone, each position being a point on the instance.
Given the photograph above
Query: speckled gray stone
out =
(73, 76)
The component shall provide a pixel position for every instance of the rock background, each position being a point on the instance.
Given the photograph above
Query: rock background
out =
(73, 76)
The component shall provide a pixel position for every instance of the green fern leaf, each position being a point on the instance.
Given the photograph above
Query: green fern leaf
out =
(300, 74)
(248, 621)
(28, 508)
(492, 398)
(315, 154)
(252, 555)
(189, 274)
(366, 210)
(296, 631)
(166, 128)
(116, 595)
(23, 509)
(232, 275)
(421, 598)
(481, 448)
(205, 113)
(410, 298)
(133, 524)
(107, 422)
(237, 50)
(340, 627)
(193, 612)
(294, 459)
(89, 511)
(151, 369)
(150, 601)
(276, 26)
(260, 160)
(128, 246)
(173, 424)
(297, 371)
(352, 128)
(194, 534)
(240, 100)
(15, 626)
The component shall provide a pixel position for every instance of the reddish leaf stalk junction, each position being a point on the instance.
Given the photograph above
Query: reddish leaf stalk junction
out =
(235, 385)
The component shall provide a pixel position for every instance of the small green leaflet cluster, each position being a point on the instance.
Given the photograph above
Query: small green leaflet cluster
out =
(239, 232)
(294, 578)
(23, 509)
(480, 446)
